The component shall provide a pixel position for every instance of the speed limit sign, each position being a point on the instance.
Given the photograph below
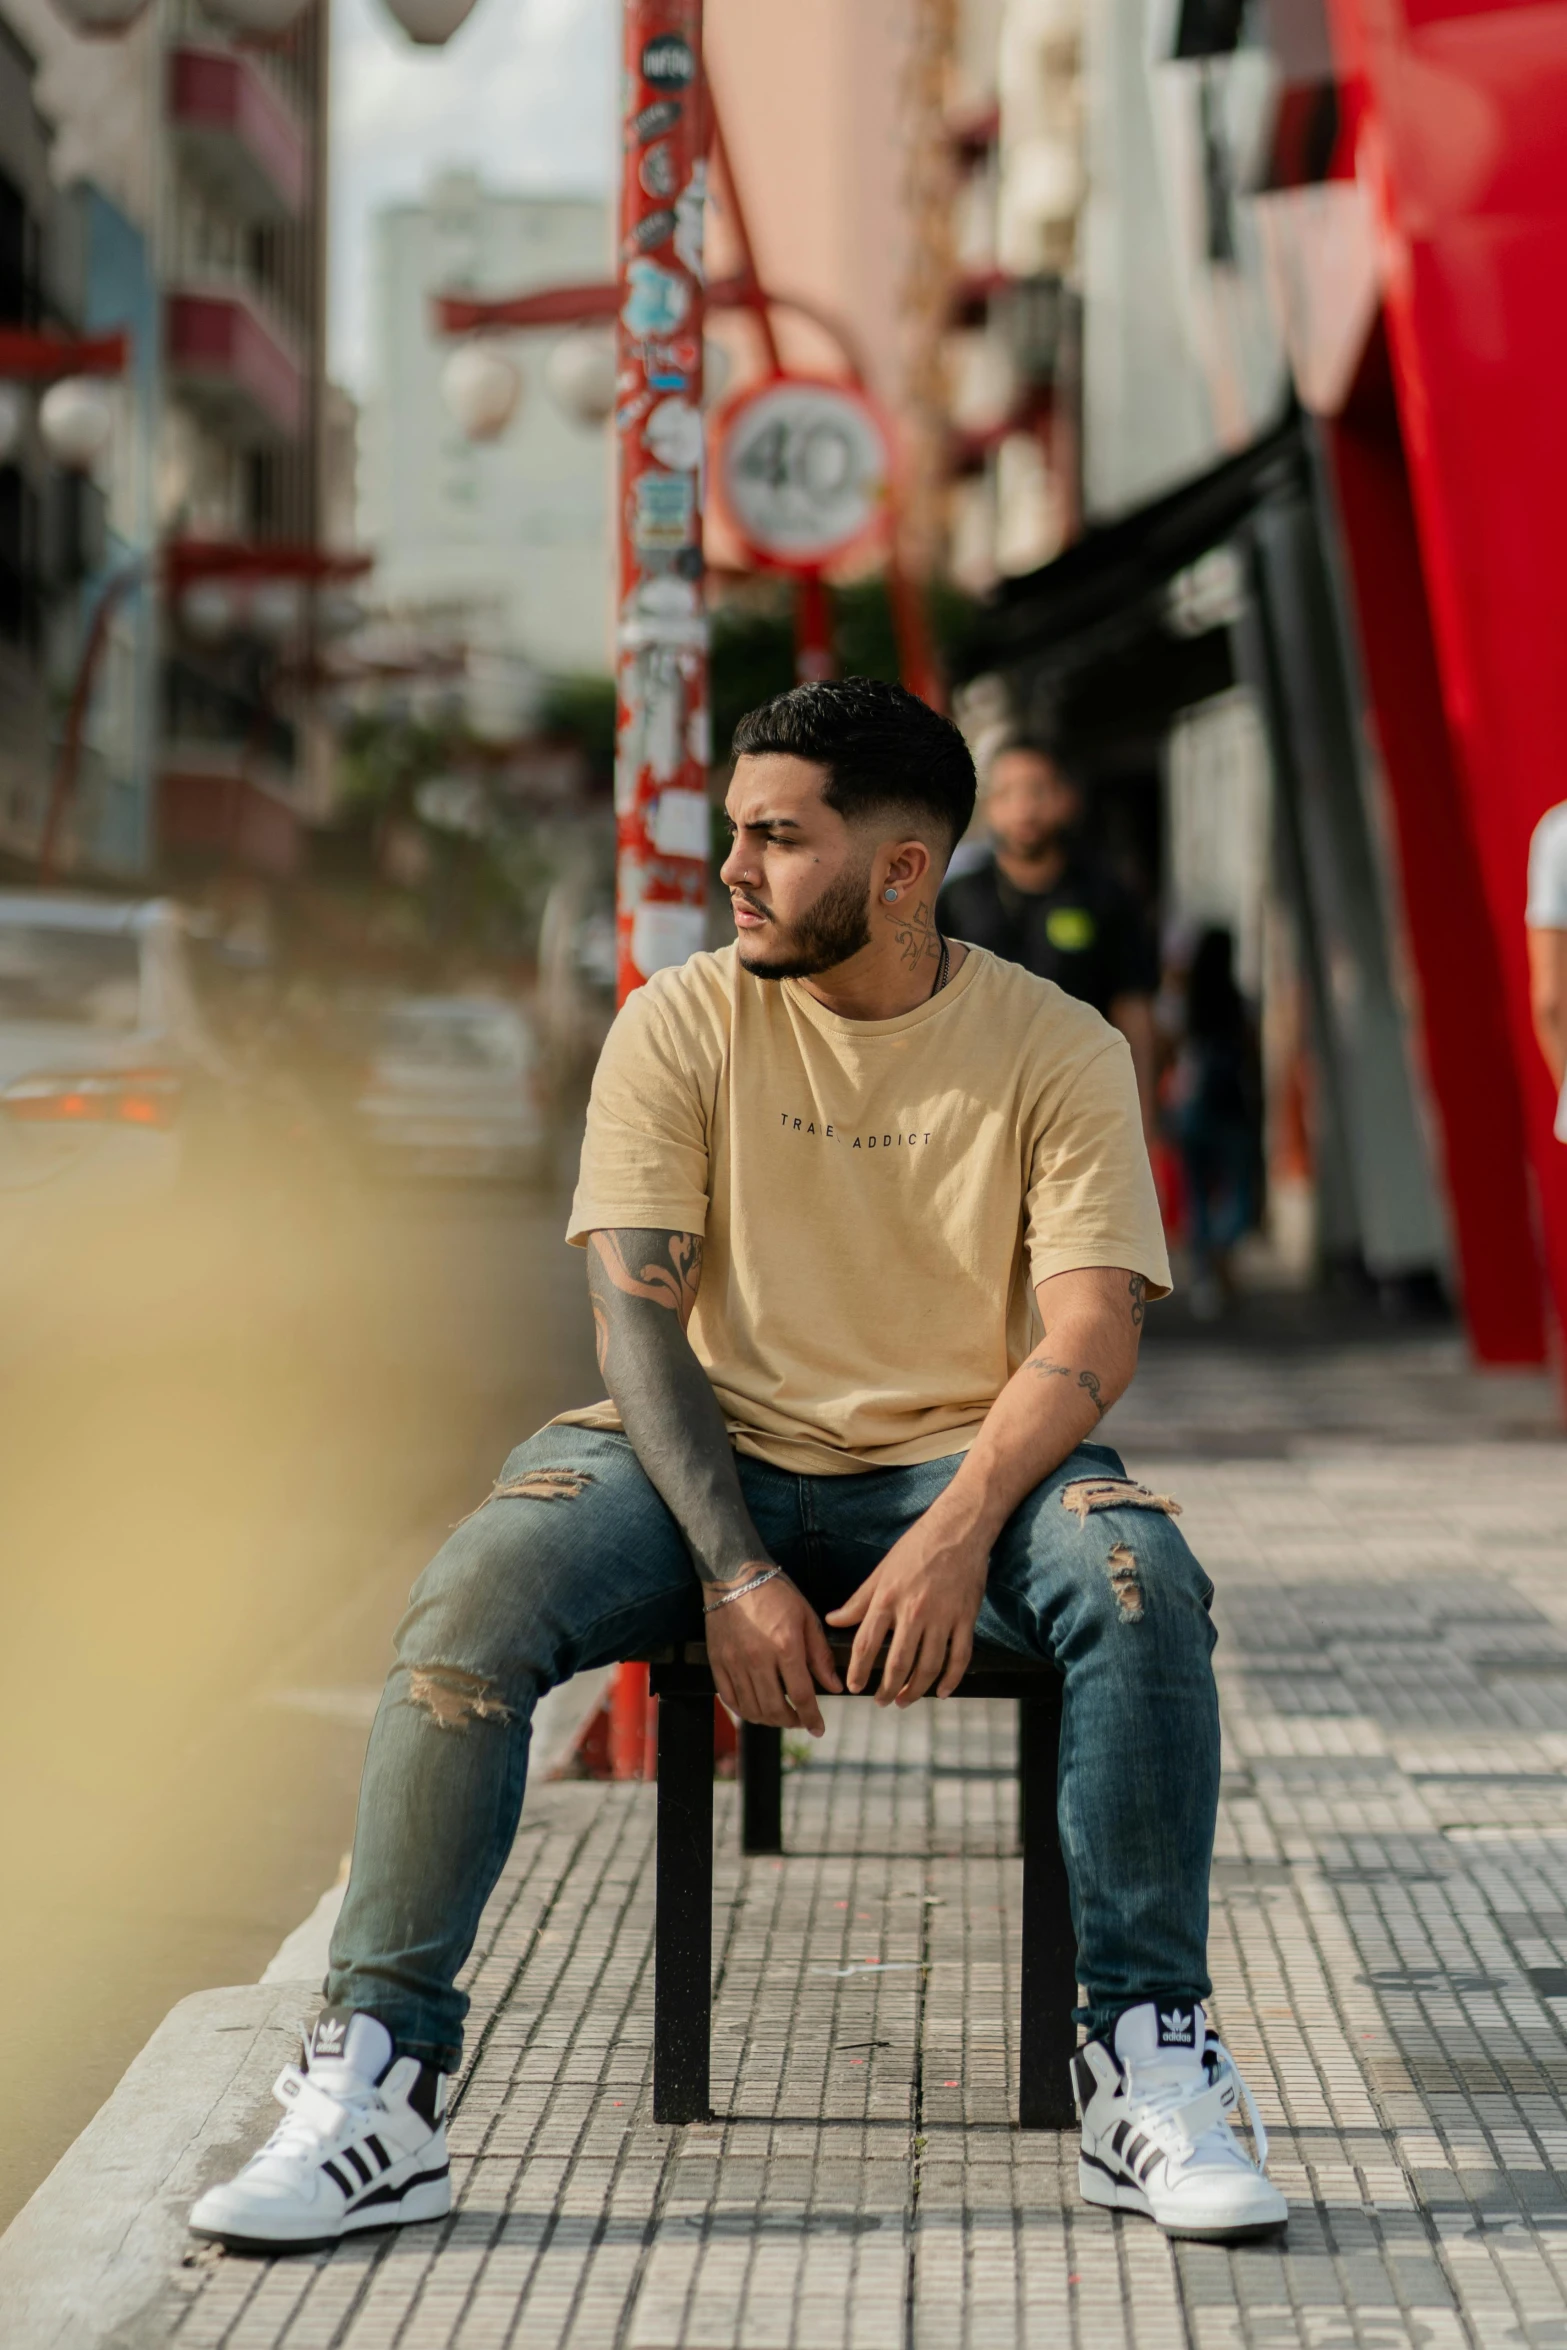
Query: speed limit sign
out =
(803, 471)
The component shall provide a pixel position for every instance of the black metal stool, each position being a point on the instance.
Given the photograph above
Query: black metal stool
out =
(683, 1935)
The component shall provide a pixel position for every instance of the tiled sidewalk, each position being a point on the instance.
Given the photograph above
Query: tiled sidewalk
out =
(1389, 1950)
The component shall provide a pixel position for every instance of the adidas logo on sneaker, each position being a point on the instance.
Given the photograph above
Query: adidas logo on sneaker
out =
(362, 2144)
(1155, 2100)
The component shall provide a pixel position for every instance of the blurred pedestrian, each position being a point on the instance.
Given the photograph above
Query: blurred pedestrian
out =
(1214, 1102)
(1039, 898)
(1545, 927)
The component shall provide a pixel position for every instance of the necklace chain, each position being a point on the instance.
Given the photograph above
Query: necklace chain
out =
(941, 968)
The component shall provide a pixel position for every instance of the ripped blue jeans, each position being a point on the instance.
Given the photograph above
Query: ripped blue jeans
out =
(581, 1564)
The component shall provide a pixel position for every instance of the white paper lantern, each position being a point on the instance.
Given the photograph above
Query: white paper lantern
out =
(13, 420)
(208, 611)
(262, 19)
(580, 373)
(482, 388)
(76, 418)
(429, 22)
(101, 19)
(273, 610)
(717, 368)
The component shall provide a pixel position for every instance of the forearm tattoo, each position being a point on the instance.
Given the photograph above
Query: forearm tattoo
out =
(1137, 1288)
(643, 1286)
(1043, 1368)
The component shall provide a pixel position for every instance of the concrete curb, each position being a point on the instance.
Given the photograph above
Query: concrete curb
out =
(91, 2262)
(85, 2263)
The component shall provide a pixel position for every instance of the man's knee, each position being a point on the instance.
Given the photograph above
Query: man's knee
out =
(476, 1619)
(1138, 1574)
(1107, 1551)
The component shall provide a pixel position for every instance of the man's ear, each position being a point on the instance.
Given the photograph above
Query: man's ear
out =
(907, 866)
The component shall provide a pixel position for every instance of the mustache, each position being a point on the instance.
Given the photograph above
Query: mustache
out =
(745, 898)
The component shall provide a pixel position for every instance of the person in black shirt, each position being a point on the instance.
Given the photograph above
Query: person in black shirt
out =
(1036, 900)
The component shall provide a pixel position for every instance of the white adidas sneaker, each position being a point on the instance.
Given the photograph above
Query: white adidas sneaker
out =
(1154, 2102)
(362, 2144)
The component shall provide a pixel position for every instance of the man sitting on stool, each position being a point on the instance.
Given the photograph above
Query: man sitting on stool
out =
(829, 1175)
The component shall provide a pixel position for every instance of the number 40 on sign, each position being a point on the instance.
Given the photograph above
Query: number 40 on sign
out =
(803, 471)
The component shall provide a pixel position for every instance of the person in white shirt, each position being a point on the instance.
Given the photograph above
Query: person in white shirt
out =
(1545, 919)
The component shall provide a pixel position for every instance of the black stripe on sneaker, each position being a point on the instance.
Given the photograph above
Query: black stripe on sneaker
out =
(343, 2186)
(353, 2155)
(1132, 2149)
(378, 2150)
(422, 2178)
(1143, 2168)
(1116, 2178)
(1119, 2136)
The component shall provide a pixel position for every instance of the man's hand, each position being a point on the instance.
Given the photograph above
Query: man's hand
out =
(764, 1649)
(926, 1594)
(927, 1591)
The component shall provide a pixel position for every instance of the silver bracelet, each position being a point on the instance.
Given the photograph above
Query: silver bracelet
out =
(741, 1591)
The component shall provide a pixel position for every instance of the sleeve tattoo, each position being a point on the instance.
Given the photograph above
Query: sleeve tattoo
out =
(643, 1287)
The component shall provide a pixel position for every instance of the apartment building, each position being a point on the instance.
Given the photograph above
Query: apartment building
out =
(509, 538)
(189, 172)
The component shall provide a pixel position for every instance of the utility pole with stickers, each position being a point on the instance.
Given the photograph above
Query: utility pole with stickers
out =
(662, 729)
(662, 750)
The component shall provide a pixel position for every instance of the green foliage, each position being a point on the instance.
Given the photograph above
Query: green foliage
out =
(753, 644)
(583, 706)
(752, 659)
(384, 757)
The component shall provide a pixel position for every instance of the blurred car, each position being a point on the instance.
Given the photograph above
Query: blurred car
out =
(102, 1046)
(456, 1089)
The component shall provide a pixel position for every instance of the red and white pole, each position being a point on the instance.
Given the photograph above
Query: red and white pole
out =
(662, 744)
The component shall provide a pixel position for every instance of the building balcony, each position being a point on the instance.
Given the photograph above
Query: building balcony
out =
(237, 132)
(231, 366)
(214, 808)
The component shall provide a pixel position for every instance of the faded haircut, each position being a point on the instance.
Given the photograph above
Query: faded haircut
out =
(882, 747)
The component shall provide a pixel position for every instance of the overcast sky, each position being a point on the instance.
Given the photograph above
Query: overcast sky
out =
(523, 94)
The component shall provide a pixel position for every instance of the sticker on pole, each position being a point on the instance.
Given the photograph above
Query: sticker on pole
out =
(803, 471)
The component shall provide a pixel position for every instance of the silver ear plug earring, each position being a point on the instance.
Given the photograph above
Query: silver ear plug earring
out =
(890, 895)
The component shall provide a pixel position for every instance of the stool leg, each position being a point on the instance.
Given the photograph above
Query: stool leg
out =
(1049, 1945)
(683, 1931)
(761, 1788)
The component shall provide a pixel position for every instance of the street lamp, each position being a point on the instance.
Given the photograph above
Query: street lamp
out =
(207, 611)
(76, 419)
(430, 23)
(717, 369)
(580, 374)
(275, 610)
(483, 389)
(105, 18)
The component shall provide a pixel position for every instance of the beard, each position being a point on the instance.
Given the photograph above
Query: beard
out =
(828, 933)
(1036, 840)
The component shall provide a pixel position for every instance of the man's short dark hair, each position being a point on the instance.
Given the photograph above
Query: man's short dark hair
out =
(1041, 746)
(882, 748)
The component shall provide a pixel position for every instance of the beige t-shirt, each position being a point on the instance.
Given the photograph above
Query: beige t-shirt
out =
(876, 1197)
